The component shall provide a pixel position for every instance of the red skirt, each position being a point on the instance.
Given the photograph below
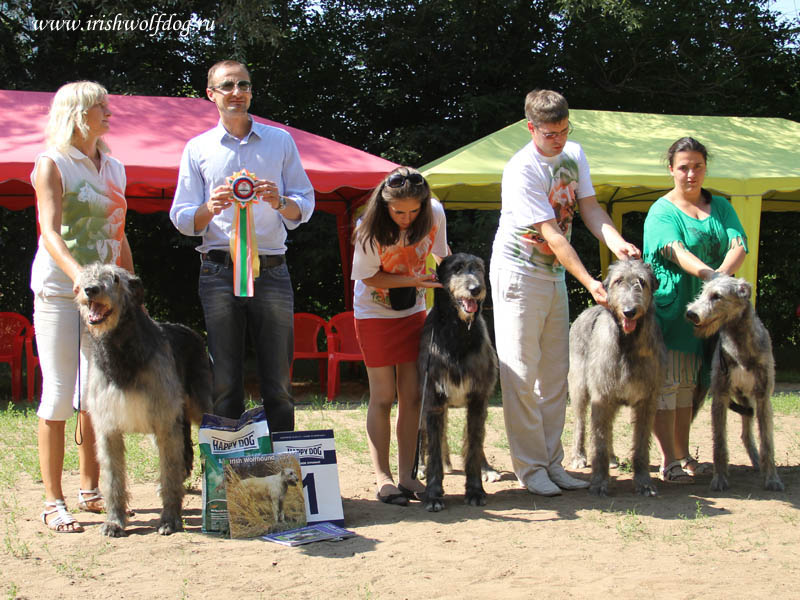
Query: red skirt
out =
(386, 342)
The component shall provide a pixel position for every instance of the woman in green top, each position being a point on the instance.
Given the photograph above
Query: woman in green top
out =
(689, 237)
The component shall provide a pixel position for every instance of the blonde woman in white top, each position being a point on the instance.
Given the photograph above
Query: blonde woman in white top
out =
(81, 215)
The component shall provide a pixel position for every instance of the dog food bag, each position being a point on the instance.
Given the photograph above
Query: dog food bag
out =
(222, 438)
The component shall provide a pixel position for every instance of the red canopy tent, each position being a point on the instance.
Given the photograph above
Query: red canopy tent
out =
(148, 134)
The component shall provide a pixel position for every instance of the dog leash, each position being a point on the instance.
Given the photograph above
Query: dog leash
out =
(78, 427)
(415, 468)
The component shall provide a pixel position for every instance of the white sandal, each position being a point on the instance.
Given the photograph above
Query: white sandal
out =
(86, 504)
(63, 522)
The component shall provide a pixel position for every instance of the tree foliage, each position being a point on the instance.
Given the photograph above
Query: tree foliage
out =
(409, 80)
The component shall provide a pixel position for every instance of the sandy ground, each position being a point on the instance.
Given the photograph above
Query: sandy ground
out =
(687, 541)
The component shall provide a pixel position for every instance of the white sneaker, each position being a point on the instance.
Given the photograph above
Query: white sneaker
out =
(539, 483)
(564, 480)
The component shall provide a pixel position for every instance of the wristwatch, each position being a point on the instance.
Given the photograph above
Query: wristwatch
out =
(281, 202)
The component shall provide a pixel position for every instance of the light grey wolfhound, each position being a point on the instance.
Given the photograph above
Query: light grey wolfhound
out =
(743, 368)
(616, 357)
(458, 367)
(144, 377)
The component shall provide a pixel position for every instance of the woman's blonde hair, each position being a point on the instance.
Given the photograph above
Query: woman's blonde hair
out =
(67, 118)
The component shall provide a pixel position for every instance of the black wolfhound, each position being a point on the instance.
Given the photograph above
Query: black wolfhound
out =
(144, 377)
(458, 367)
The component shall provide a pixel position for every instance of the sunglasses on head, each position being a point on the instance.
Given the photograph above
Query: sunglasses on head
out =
(397, 180)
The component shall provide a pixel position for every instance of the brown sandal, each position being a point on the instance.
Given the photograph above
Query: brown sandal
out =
(693, 467)
(674, 473)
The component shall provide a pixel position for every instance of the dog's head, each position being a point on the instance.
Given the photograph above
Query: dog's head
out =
(721, 300)
(463, 277)
(290, 476)
(630, 285)
(104, 293)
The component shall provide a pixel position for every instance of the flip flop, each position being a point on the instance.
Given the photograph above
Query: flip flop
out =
(398, 499)
(410, 494)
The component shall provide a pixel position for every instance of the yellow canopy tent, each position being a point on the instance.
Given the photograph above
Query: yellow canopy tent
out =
(755, 162)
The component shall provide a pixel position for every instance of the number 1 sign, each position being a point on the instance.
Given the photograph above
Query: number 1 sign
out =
(317, 454)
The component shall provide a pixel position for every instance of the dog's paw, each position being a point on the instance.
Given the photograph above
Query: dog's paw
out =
(168, 526)
(489, 475)
(434, 504)
(476, 498)
(773, 484)
(646, 488)
(599, 488)
(579, 462)
(111, 529)
(719, 483)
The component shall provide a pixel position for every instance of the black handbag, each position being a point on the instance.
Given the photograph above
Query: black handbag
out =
(402, 298)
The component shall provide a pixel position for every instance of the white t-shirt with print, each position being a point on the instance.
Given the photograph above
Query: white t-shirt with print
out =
(538, 188)
(373, 303)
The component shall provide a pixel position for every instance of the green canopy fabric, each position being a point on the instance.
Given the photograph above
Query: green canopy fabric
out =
(755, 162)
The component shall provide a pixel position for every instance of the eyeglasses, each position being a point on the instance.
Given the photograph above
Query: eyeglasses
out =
(551, 135)
(397, 180)
(226, 87)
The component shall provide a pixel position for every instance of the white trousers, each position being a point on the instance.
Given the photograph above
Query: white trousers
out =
(531, 323)
(58, 325)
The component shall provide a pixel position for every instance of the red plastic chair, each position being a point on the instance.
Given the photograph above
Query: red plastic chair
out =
(307, 328)
(342, 346)
(13, 329)
(31, 364)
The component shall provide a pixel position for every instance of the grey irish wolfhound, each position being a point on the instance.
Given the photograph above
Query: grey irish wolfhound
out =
(743, 368)
(144, 377)
(458, 367)
(616, 357)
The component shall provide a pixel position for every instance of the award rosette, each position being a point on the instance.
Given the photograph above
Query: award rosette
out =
(244, 246)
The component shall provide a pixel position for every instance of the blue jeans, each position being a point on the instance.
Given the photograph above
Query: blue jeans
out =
(269, 318)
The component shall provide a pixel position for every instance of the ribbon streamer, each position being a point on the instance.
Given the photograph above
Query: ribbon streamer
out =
(243, 242)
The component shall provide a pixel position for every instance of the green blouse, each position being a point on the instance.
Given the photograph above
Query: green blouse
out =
(708, 239)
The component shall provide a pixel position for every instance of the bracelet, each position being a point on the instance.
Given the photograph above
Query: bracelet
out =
(281, 202)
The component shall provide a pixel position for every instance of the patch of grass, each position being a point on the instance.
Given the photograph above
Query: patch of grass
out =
(18, 442)
(13, 591)
(14, 545)
(630, 526)
(786, 404)
(75, 565)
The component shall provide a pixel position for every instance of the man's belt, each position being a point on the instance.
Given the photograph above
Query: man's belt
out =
(223, 257)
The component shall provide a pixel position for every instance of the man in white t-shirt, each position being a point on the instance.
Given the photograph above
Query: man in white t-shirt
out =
(543, 184)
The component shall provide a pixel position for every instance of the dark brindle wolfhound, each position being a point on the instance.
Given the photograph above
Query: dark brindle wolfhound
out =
(458, 367)
(742, 370)
(144, 377)
(616, 357)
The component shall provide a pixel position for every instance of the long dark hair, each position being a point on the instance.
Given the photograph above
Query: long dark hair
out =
(377, 224)
(689, 144)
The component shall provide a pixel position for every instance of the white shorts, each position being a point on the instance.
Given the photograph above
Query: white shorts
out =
(57, 324)
(680, 381)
